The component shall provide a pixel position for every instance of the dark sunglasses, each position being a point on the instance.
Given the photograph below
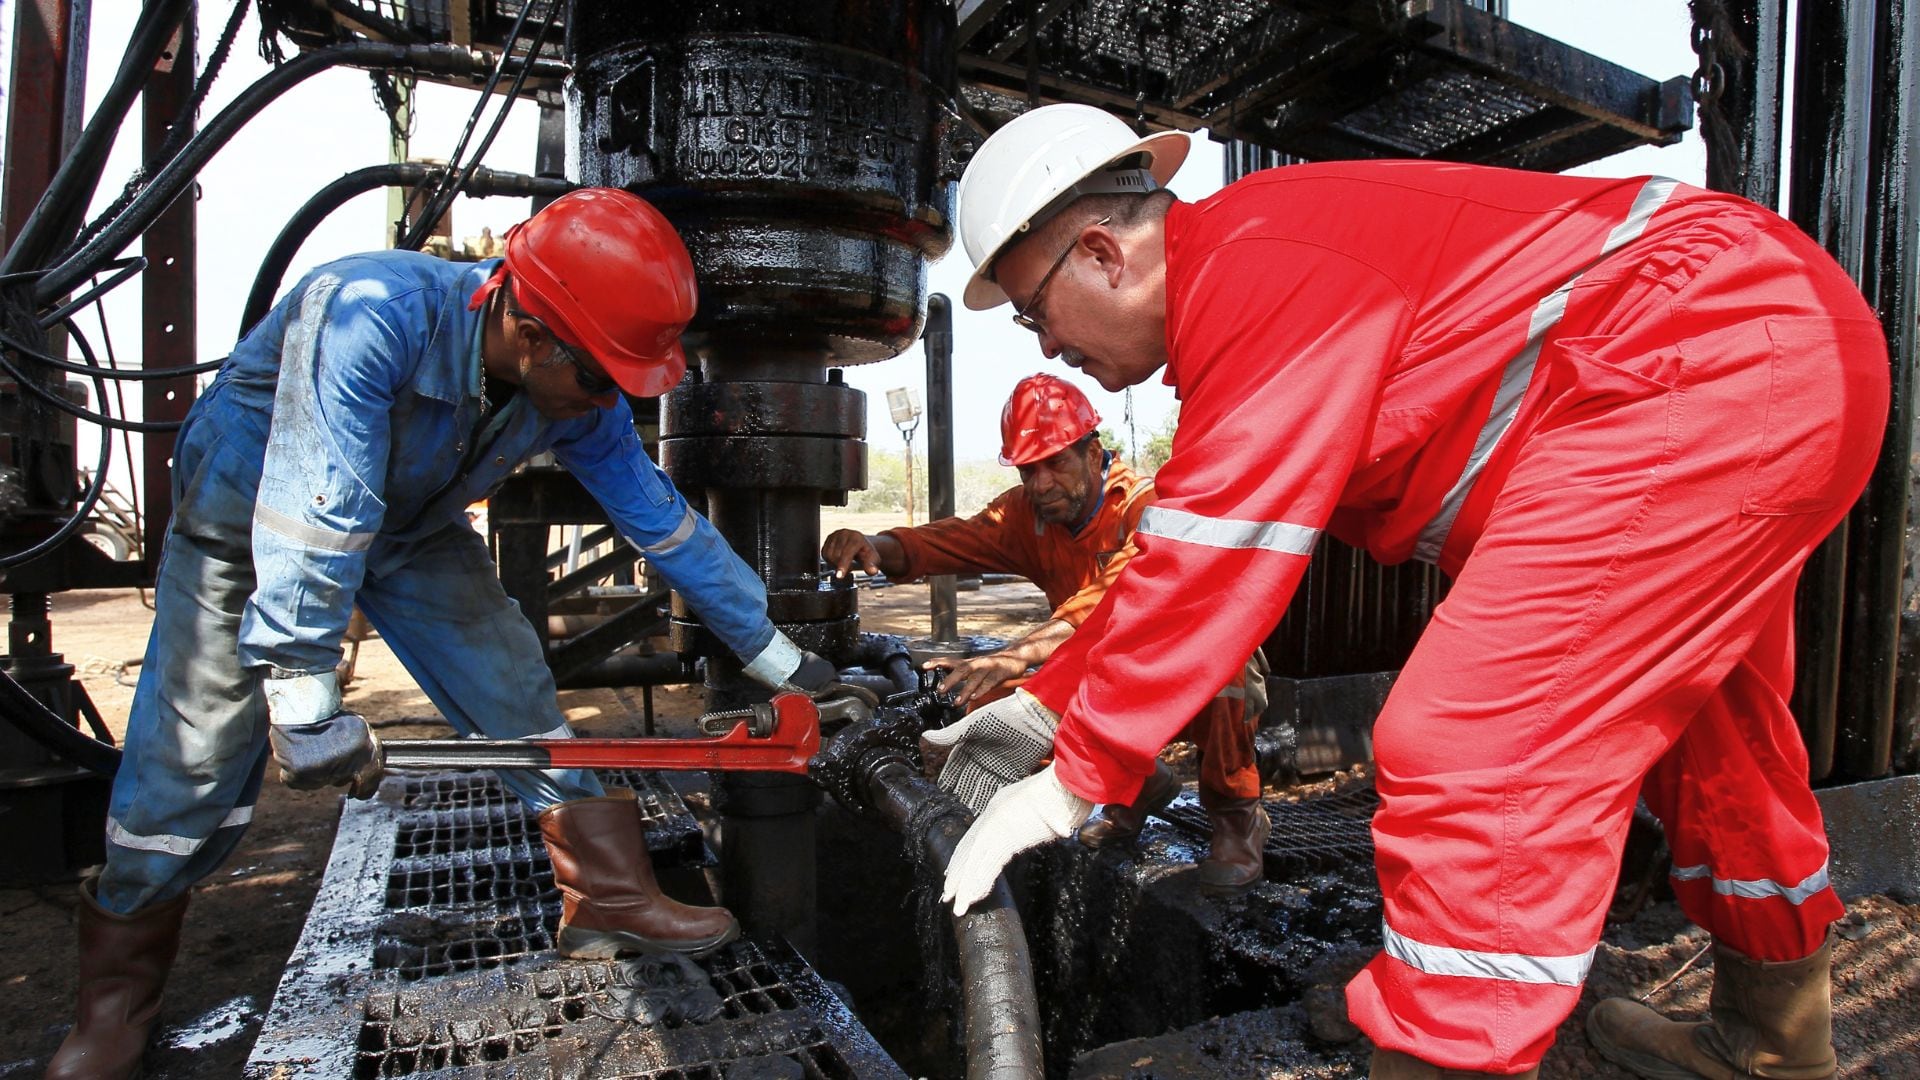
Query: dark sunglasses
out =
(1023, 318)
(592, 383)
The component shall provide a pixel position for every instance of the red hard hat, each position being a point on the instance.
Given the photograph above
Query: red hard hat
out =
(1045, 415)
(605, 269)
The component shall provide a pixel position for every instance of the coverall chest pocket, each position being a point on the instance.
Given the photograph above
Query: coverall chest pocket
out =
(1826, 405)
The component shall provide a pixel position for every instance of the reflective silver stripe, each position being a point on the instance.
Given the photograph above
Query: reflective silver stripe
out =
(311, 535)
(168, 844)
(1188, 528)
(1518, 374)
(1510, 967)
(681, 533)
(1759, 889)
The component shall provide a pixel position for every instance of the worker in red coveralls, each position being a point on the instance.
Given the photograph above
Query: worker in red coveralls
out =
(1068, 528)
(1618, 413)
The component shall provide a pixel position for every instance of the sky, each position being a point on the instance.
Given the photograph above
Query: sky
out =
(331, 125)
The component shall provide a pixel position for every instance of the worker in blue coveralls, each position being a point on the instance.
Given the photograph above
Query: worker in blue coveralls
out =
(329, 464)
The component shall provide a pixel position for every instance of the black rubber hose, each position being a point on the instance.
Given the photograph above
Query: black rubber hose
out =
(996, 972)
(39, 723)
(273, 268)
(56, 216)
(177, 175)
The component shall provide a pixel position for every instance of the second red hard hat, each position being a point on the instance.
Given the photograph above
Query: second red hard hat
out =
(1045, 415)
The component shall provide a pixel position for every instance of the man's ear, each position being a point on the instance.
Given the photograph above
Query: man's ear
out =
(1109, 253)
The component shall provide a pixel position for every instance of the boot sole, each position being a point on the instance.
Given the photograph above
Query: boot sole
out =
(1652, 1068)
(577, 944)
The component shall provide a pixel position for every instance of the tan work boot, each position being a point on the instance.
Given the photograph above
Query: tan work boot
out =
(1772, 1020)
(1120, 823)
(123, 968)
(1236, 851)
(612, 904)
(1394, 1065)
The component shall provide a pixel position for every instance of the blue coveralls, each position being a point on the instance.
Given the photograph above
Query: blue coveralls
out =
(331, 462)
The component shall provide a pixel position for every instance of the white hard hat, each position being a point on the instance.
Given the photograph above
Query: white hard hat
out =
(1038, 164)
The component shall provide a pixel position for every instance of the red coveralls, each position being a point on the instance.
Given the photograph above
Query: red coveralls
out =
(1074, 570)
(1622, 460)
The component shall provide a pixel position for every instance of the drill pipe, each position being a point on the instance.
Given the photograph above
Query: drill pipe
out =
(996, 974)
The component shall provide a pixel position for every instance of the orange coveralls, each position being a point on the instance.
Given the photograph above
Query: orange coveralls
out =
(1074, 570)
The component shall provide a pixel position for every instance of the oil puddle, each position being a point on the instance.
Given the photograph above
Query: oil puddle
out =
(215, 1026)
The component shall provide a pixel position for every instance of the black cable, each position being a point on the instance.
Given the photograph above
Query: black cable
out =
(443, 199)
(273, 268)
(64, 202)
(70, 408)
(174, 177)
(126, 267)
(473, 121)
(135, 374)
(126, 437)
(94, 488)
(32, 717)
(180, 131)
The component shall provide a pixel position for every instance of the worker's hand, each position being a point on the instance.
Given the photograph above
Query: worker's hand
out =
(1024, 815)
(814, 674)
(314, 742)
(844, 547)
(975, 677)
(337, 751)
(992, 747)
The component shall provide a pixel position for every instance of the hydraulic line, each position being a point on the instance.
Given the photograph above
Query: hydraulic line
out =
(996, 972)
(176, 175)
(39, 723)
(55, 217)
(273, 268)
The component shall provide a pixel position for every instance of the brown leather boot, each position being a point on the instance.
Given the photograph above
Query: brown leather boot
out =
(123, 967)
(1235, 858)
(613, 905)
(1394, 1065)
(1121, 823)
(1772, 1020)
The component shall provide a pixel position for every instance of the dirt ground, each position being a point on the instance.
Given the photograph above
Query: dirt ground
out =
(245, 919)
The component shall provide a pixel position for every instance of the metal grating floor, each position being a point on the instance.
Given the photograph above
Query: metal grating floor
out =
(1315, 833)
(428, 952)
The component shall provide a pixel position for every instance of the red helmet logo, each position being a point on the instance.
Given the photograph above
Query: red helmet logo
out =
(1045, 415)
(607, 270)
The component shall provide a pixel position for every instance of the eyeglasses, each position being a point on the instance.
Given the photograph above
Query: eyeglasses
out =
(1024, 318)
(592, 383)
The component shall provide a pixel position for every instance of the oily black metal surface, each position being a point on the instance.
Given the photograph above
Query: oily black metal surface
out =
(797, 148)
(1322, 80)
(428, 952)
(1741, 123)
(1314, 833)
(846, 765)
(1829, 200)
(1878, 529)
(745, 408)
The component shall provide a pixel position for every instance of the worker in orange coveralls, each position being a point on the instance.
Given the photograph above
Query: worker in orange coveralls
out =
(1068, 528)
(1618, 413)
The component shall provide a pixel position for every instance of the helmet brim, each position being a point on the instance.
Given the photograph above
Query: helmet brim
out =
(1166, 151)
(650, 378)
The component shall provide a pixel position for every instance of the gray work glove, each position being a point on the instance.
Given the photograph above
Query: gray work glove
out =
(992, 747)
(314, 742)
(814, 674)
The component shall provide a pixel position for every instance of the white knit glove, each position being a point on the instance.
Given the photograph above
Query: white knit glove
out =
(992, 747)
(1024, 815)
